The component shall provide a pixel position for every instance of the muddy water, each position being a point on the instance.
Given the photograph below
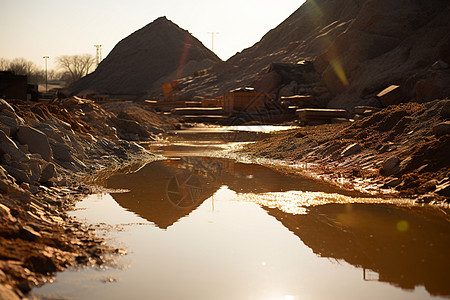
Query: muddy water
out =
(207, 228)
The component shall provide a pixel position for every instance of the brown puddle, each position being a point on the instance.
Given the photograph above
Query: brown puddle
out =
(178, 186)
(206, 228)
(198, 227)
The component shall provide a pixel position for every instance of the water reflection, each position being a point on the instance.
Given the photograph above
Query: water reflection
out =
(404, 246)
(163, 192)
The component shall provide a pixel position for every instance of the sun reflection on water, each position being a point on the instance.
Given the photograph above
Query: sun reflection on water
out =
(297, 202)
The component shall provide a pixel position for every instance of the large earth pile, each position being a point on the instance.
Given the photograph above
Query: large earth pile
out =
(158, 52)
(358, 47)
(403, 147)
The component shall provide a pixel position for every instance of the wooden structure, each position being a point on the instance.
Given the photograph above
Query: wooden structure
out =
(318, 116)
(169, 105)
(169, 90)
(197, 111)
(300, 101)
(243, 100)
(13, 86)
(211, 103)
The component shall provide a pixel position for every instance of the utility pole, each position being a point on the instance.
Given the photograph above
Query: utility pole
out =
(212, 39)
(46, 58)
(99, 53)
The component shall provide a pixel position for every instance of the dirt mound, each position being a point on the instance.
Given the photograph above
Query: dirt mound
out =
(159, 50)
(404, 147)
(359, 47)
(48, 152)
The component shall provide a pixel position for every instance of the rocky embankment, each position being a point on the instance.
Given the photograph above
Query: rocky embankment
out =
(49, 154)
(402, 150)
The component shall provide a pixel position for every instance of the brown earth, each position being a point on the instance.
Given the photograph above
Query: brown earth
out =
(50, 155)
(400, 150)
(354, 49)
(357, 47)
(155, 54)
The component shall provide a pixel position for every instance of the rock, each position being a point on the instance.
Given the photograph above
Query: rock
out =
(42, 263)
(61, 151)
(5, 213)
(130, 127)
(24, 286)
(442, 128)
(19, 174)
(5, 129)
(48, 173)
(6, 106)
(351, 149)
(29, 234)
(12, 123)
(52, 132)
(8, 146)
(36, 140)
(7, 182)
(35, 166)
(434, 86)
(24, 148)
(391, 95)
(7, 293)
(390, 166)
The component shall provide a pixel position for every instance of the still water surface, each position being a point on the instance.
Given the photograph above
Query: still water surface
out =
(202, 228)
(207, 228)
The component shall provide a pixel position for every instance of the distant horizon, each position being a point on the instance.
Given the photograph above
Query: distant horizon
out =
(75, 28)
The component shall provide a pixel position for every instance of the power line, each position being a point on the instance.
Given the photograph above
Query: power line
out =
(99, 53)
(46, 81)
(212, 39)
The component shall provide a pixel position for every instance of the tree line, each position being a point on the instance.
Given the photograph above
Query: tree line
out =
(70, 68)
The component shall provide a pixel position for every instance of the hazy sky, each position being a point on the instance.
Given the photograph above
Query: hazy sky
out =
(34, 28)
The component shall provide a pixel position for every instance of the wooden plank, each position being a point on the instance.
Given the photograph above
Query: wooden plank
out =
(308, 114)
(197, 111)
(391, 95)
(204, 118)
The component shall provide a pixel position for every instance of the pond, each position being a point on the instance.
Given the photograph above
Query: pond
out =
(210, 228)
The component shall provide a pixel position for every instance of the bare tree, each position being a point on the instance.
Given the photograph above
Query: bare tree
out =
(4, 64)
(21, 66)
(76, 66)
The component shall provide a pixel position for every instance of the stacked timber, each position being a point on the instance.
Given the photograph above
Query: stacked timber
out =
(300, 101)
(169, 105)
(315, 116)
(200, 114)
(196, 111)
